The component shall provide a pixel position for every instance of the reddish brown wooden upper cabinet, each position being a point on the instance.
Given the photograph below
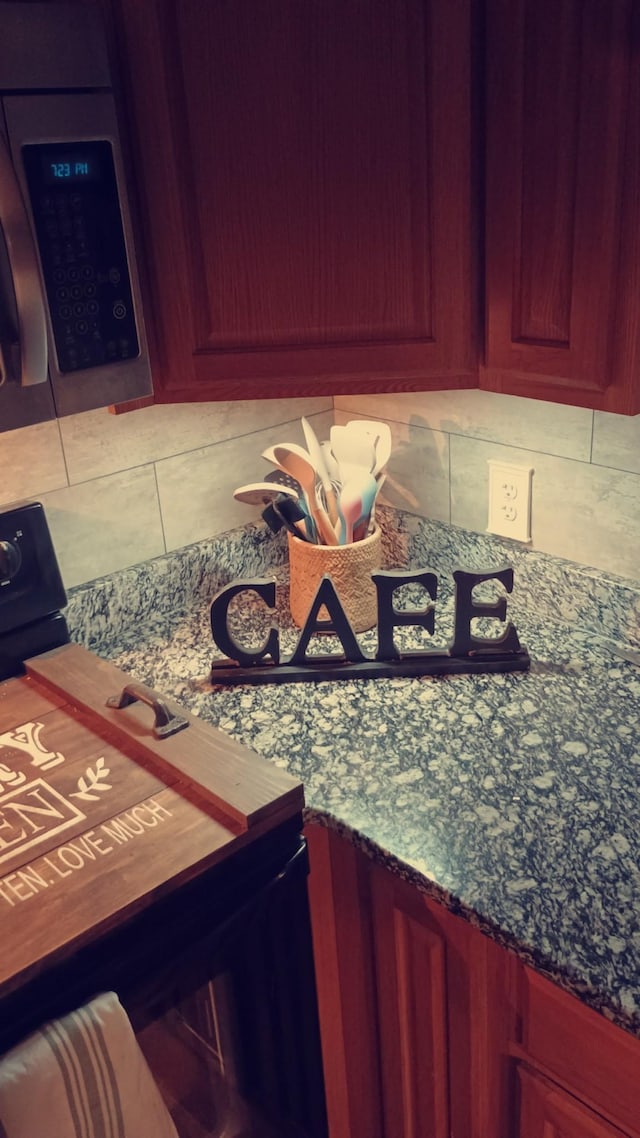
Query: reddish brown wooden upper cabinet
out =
(304, 176)
(563, 201)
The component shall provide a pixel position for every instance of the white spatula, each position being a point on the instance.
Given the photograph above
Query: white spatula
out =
(318, 461)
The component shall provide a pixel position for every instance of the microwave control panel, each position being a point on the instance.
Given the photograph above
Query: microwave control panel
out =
(76, 210)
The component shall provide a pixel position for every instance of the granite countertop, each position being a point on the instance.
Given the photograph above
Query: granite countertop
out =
(513, 799)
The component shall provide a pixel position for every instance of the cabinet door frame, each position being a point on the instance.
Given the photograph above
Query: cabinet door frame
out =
(411, 981)
(342, 938)
(467, 990)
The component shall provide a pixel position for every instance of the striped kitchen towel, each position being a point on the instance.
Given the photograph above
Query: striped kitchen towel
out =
(82, 1076)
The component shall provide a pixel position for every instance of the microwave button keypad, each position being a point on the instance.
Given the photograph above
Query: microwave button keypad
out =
(74, 197)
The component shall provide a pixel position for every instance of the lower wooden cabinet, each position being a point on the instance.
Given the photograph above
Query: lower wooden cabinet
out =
(341, 923)
(410, 951)
(440, 1043)
(582, 1051)
(546, 1111)
(431, 1030)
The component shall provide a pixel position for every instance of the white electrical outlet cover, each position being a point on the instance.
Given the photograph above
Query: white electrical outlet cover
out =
(509, 500)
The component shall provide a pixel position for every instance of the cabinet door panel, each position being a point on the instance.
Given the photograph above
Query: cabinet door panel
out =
(582, 1049)
(411, 983)
(341, 923)
(546, 1111)
(305, 178)
(561, 126)
(446, 998)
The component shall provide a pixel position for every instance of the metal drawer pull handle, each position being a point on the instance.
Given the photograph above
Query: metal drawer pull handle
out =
(166, 723)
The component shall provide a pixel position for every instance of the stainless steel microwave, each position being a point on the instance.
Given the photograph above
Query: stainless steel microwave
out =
(72, 334)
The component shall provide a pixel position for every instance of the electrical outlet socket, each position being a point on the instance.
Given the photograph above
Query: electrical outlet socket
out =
(510, 500)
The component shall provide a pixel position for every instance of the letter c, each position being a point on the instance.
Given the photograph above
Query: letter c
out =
(220, 630)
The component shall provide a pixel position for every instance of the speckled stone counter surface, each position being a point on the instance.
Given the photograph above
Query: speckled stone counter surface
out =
(514, 798)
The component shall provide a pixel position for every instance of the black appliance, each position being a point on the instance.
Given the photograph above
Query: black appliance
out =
(218, 982)
(31, 588)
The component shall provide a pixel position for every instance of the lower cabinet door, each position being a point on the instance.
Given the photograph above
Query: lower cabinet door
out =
(548, 1111)
(410, 955)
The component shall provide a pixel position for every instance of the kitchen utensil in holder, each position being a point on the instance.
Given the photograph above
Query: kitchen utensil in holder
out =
(350, 568)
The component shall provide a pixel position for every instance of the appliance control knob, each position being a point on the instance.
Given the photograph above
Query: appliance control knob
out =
(10, 560)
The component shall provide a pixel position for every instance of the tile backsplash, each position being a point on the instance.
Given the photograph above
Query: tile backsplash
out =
(586, 482)
(118, 489)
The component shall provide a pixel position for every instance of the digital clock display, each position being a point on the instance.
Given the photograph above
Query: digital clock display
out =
(75, 166)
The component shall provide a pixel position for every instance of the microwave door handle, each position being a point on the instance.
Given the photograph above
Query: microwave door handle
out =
(23, 263)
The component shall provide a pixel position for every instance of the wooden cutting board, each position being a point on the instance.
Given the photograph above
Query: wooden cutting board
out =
(98, 817)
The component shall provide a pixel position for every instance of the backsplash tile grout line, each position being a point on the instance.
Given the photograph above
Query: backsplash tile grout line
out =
(62, 450)
(449, 475)
(159, 500)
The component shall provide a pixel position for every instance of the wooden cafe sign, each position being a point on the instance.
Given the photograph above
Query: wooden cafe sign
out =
(465, 653)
